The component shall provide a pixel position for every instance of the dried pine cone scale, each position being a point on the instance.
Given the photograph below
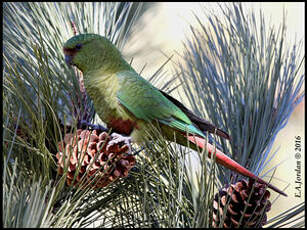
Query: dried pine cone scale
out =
(98, 165)
(242, 201)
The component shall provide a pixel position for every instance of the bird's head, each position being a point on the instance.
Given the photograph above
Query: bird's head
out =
(91, 52)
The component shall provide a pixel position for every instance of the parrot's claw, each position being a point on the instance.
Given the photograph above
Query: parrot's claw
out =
(117, 138)
(83, 124)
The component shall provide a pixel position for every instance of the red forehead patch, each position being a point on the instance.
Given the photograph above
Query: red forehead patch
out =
(69, 51)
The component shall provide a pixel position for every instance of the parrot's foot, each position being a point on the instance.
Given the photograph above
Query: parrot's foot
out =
(83, 124)
(117, 138)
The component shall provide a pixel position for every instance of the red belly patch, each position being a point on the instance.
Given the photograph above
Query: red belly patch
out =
(121, 126)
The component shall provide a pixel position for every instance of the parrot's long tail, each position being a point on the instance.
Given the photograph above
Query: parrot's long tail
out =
(224, 160)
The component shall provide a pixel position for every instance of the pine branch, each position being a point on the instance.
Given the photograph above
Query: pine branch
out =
(44, 94)
(241, 76)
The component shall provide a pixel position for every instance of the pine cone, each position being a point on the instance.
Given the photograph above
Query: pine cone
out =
(98, 166)
(257, 206)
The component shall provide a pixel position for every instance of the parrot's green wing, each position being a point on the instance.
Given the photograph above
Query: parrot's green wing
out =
(146, 102)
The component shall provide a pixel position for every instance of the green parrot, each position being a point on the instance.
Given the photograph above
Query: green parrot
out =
(128, 103)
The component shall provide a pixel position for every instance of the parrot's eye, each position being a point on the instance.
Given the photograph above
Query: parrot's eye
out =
(78, 46)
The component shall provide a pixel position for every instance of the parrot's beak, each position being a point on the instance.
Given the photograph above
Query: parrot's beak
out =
(69, 55)
(68, 59)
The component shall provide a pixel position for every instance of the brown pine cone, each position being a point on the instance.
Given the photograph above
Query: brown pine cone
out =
(237, 197)
(99, 166)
